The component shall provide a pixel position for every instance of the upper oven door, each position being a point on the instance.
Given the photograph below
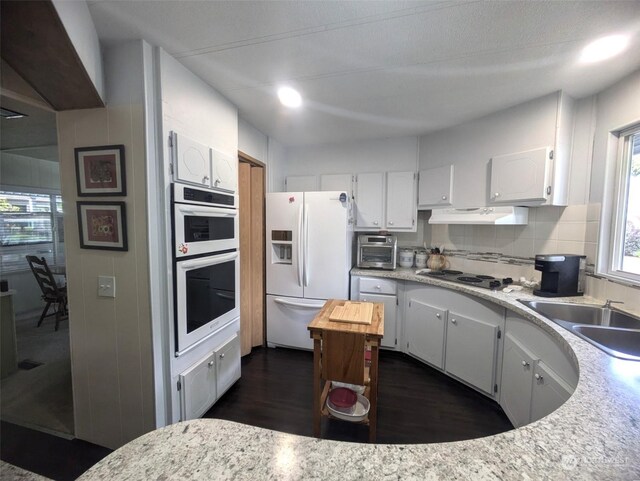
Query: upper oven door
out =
(206, 297)
(201, 229)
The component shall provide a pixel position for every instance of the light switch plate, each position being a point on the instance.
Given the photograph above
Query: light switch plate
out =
(106, 286)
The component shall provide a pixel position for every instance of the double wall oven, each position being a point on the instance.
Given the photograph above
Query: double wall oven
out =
(206, 263)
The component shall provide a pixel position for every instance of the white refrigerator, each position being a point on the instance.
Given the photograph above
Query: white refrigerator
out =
(309, 238)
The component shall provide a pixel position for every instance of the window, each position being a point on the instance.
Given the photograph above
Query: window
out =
(624, 260)
(30, 224)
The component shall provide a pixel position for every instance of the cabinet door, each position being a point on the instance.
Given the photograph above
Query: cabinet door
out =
(301, 183)
(225, 171)
(191, 160)
(521, 177)
(549, 392)
(369, 200)
(390, 333)
(425, 327)
(472, 351)
(401, 200)
(517, 381)
(333, 182)
(435, 187)
(227, 359)
(198, 388)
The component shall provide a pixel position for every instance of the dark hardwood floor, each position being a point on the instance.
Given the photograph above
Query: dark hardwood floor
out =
(45, 454)
(416, 405)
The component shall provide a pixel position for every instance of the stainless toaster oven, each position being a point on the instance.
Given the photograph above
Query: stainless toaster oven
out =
(377, 251)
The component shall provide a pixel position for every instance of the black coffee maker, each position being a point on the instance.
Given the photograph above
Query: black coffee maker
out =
(562, 275)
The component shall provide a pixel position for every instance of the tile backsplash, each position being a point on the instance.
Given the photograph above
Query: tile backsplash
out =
(510, 250)
(567, 230)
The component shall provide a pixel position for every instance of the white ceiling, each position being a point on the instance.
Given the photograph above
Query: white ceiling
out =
(371, 69)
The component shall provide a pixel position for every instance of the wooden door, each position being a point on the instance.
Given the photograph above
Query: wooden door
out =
(252, 284)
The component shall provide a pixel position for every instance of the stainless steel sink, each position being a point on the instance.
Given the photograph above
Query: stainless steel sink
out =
(623, 343)
(615, 332)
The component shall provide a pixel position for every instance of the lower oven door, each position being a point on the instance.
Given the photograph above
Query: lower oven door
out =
(206, 297)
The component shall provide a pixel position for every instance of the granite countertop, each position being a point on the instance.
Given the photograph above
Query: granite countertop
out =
(595, 435)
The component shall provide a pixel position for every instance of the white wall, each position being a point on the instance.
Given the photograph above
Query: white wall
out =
(79, 25)
(471, 145)
(35, 175)
(193, 108)
(252, 142)
(111, 351)
(277, 166)
(380, 155)
(617, 107)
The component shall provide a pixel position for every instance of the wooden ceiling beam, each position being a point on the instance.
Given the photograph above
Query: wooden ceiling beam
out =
(36, 45)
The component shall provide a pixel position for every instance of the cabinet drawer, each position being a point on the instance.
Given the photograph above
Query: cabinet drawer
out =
(377, 285)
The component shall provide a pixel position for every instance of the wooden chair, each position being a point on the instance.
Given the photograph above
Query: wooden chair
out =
(51, 293)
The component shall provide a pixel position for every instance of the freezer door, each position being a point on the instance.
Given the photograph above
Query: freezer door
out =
(287, 321)
(327, 246)
(284, 267)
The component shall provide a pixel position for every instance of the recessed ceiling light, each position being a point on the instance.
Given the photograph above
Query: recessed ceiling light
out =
(289, 97)
(604, 48)
(10, 114)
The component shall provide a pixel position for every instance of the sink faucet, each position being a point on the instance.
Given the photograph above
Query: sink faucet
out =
(609, 302)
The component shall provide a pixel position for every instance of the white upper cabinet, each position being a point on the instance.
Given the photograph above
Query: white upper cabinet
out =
(474, 148)
(435, 187)
(386, 201)
(224, 172)
(195, 163)
(191, 160)
(335, 182)
(301, 183)
(401, 200)
(369, 198)
(522, 177)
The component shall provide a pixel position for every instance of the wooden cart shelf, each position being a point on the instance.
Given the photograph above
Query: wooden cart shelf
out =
(339, 355)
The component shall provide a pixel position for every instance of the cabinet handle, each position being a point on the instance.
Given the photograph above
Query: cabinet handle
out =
(390, 223)
(364, 299)
(496, 195)
(205, 179)
(444, 197)
(453, 321)
(378, 287)
(525, 363)
(217, 181)
(375, 222)
(538, 377)
(210, 364)
(222, 356)
(438, 316)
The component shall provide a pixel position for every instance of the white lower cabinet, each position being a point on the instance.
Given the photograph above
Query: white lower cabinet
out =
(425, 330)
(227, 365)
(203, 383)
(471, 351)
(549, 392)
(537, 375)
(371, 289)
(517, 375)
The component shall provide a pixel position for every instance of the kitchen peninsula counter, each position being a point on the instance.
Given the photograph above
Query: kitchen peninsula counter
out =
(595, 435)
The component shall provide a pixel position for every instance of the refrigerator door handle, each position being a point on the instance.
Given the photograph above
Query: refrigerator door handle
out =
(306, 245)
(285, 302)
(299, 246)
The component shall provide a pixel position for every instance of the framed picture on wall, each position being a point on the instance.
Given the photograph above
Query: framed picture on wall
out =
(103, 225)
(100, 171)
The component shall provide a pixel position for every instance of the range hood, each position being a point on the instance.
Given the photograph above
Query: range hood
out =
(481, 216)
